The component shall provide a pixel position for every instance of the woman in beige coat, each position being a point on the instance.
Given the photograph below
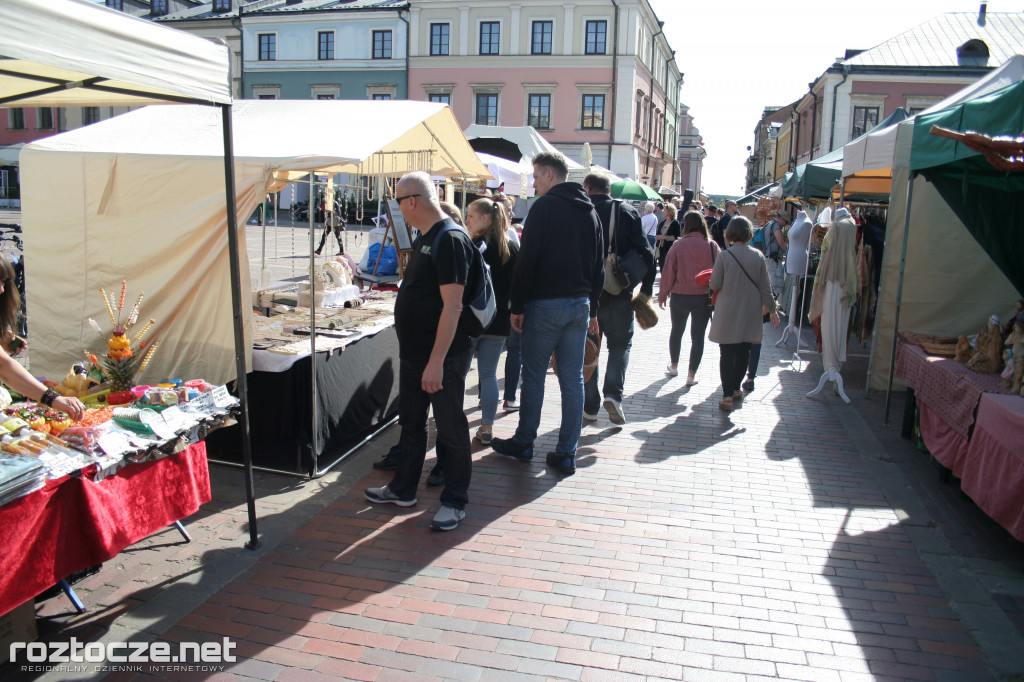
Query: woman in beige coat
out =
(744, 294)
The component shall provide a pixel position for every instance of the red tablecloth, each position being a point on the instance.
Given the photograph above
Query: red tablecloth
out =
(945, 385)
(73, 523)
(993, 474)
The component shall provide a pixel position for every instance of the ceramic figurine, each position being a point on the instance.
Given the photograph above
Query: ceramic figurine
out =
(963, 349)
(988, 349)
(1016, 343)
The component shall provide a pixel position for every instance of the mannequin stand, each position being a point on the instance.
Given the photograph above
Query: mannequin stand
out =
(790, 329)
(832, 374)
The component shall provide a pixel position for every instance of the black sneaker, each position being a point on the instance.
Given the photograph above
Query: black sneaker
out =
(436, 477)
(511, 448)
(386, 463)
(563, 463)
(748, 385)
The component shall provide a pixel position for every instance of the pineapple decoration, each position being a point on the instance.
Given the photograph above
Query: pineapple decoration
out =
(122, 364)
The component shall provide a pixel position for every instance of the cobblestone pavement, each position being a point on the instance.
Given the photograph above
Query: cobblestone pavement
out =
(794, 538)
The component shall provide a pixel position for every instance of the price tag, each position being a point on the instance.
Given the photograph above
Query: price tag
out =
(160, 428)
(221, 397)
(177, 419)
(203, 403)
(114, 443)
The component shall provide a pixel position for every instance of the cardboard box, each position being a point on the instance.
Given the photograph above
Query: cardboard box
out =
(17, 625)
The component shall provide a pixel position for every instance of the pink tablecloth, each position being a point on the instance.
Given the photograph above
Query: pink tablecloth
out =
(945, 443)
(945, 385)
(993, 473)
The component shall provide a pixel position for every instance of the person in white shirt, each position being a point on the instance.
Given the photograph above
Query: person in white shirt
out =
(649, 223)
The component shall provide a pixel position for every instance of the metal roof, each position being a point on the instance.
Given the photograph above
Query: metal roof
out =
(935, 42)
(333, 5)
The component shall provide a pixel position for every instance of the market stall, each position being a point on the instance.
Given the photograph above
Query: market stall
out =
(68, 53)
(145, 205)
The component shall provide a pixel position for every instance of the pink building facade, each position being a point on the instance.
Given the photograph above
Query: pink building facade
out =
(588, 72)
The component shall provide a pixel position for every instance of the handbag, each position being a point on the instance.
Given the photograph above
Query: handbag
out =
(767, 316)
(615, 279)
(709, 302)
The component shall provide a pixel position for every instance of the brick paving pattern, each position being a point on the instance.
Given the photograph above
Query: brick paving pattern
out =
(792, 539)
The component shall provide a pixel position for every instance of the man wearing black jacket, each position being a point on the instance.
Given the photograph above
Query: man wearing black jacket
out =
(555, 290)
(615, 314)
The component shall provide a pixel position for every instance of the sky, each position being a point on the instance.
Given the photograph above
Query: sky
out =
(740, 56)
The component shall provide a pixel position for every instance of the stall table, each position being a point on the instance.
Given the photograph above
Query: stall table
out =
(947, 395)
(79, 521)
(993, 475)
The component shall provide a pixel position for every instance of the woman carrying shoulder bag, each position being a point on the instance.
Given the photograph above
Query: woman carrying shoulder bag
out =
(688, 256)
(741, 278)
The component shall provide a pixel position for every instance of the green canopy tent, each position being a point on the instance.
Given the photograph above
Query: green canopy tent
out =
(816, 178)
(989, 202)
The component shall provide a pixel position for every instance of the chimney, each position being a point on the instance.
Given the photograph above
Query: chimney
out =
(981, 14)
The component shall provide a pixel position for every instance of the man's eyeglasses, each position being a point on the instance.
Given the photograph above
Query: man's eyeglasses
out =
(399, 200)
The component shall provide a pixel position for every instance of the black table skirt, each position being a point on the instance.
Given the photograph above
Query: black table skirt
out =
(357, 391)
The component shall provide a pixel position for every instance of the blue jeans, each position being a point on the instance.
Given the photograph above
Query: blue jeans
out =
(513, 364)
(557, 325)
(615, 318)
(488, 351)
(453, 446)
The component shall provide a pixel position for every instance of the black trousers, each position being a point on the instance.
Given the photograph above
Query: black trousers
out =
(683, 307)
(452, 430)
(732, 365)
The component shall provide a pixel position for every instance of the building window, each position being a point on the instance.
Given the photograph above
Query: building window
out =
(44, 119)
(159, 8)
(382, 44)
(541, 42)
(539, 115)
(490, 37)
(440, 97)
(440, 37)
(221, 5)
(325, 95)
(381, 97)
(639, 117)
(487, 109)
(864, 119)
(593, 111)
(597, 33)
(115, 4)
(268, 46)
(266, 96)
(16, 119)
(90, 115)
(325, 45)
(267, 92)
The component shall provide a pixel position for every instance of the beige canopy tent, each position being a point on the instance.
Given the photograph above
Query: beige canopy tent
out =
(138, 202)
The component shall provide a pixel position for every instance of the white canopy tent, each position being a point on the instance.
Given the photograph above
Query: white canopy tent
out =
(529, 141)
(137, 204)
(68, 52)
(508, 173)
(951, 285)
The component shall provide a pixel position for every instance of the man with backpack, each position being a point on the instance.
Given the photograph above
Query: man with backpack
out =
(554, 298)
(434, 351)
(616, 312)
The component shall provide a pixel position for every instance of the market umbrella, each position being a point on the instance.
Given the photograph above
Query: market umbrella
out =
(667, 192)
(634, 191)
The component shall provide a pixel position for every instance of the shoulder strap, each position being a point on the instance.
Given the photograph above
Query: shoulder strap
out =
(712, 249)
(613, 218)
(744, 270)
(447, 227)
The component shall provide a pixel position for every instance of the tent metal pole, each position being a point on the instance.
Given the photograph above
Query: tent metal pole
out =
(236, 305)
(899, 297)
(314, 445)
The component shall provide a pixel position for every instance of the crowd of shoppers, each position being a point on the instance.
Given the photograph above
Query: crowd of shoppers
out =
(551, 292)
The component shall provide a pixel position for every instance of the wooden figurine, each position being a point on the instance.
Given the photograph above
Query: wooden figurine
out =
(988, 349)
(963, 349)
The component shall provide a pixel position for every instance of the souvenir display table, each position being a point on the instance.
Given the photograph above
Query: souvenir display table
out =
(356, 386)
(972, 426)
(82, 520)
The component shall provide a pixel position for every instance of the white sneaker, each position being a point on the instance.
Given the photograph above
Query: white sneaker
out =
(672, 371)
(447, 518)
(511, 405)
(589, 417)
(484, 436)
(615, 413)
